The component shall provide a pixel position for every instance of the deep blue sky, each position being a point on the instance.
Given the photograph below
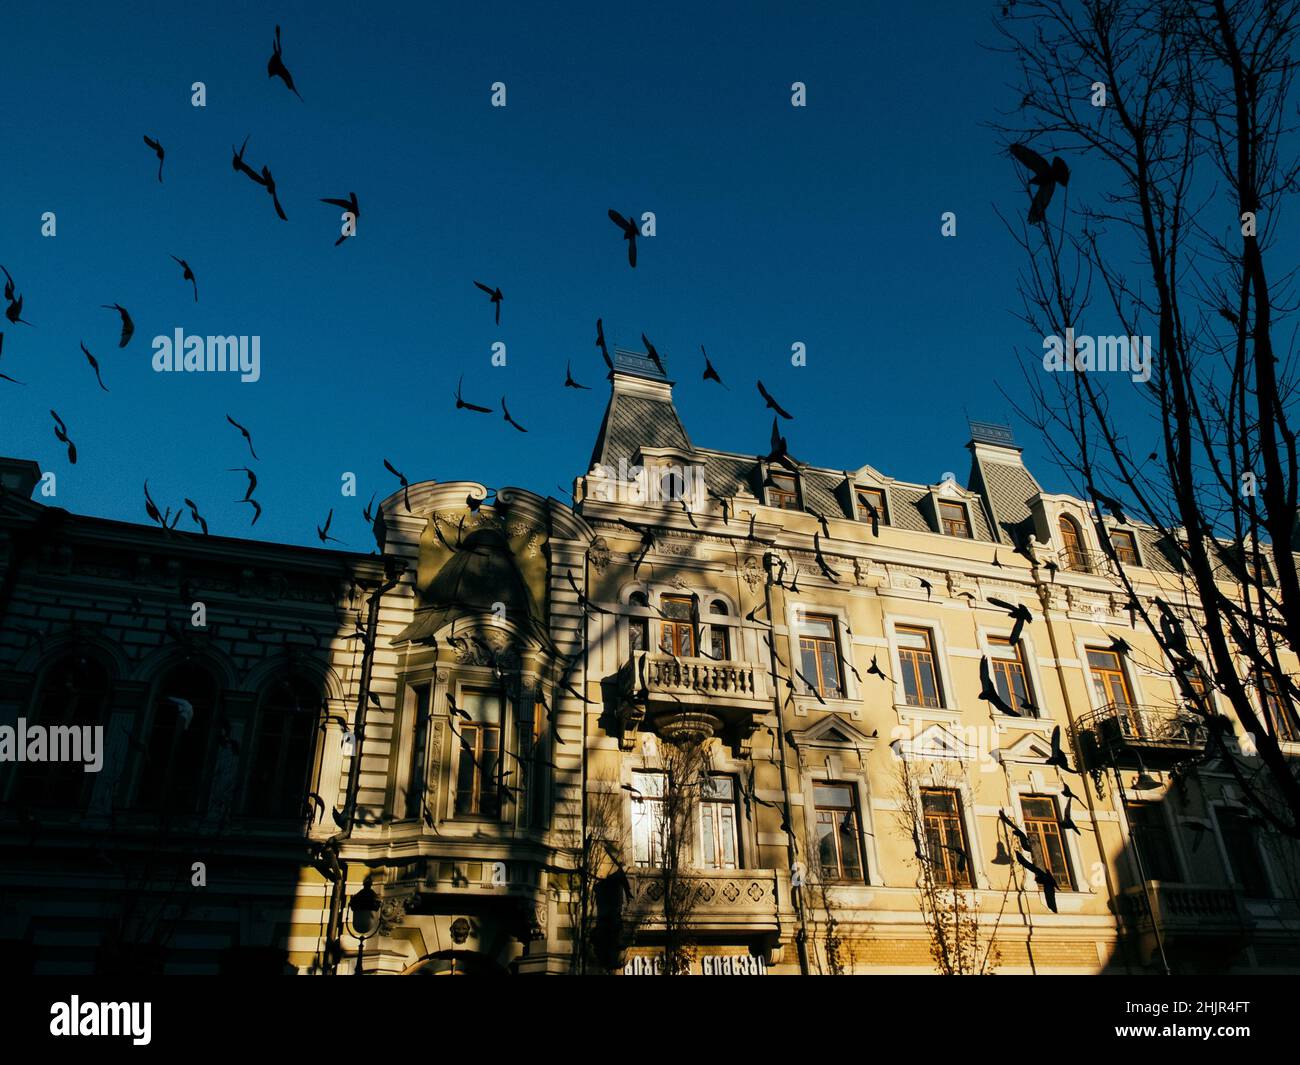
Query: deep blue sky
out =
(776, 224)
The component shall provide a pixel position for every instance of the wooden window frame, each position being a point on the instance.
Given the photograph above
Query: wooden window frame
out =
(1043, 829)
(949, 524)
(832, 812)
(880, 502)
(1128, 555)
(1002, 669)
(909, 659)
(677, 635)
(777, 496)
(941, 828)
(479, 732)
(815, 645)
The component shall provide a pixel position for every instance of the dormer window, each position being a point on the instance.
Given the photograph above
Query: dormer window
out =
(955, 519)
(672, 485)
(782, 490)
(1125, 544)
(1072, 543)
(869, 499)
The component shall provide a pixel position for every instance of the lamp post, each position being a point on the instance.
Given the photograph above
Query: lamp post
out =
(365, 918)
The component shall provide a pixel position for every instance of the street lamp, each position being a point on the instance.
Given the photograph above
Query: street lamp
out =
(365, 906)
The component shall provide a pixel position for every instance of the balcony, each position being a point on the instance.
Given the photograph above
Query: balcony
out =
(1209, 918)
(739, 900)
(690, 696)
(1124, 735)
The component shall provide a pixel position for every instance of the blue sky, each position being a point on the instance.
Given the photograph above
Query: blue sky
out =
(775, 225)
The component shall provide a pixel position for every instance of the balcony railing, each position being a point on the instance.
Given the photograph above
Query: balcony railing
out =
(1124, 727)
(704, 676)
(738, 899)
(1193, 911)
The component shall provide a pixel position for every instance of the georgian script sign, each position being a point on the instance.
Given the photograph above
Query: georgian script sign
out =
(708, 965)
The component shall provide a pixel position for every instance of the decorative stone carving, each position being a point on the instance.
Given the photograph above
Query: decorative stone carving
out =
(599, 554)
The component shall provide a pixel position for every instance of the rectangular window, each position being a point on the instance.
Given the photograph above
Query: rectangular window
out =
(1280, 715)
(1010, 676)
(648, 818)
(819, 649)
(1151, 840)
(839, 839)
(782, 490)
(678, 626)
(1046, 840)
(872, 497)
(720, 642)
(916, 663)
(478, 779)
(718, 844)
(1241, 841)
(1108, 678)
(955, 519)
(638, 634)
(1125, 544)
(419, 751)
(945, 836)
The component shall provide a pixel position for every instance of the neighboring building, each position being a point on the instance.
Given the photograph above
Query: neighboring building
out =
(495, 744)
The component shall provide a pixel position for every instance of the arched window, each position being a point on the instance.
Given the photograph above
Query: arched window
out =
(73, 699)
(180, 733)
(1072, 540)
(719, 633)
(282, 747)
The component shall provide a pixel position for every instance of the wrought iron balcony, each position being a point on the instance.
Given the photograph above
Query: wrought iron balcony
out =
(699, 694)
(1214, 917)
(1125, 732)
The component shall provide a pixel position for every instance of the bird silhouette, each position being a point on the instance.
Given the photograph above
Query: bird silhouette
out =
(406, 485)
(244, 433)
(1044, 879)
(151, 508)
(506, 411)
(1046, 177)
(929, 588)
(61, 433)
(269, 182)
(654, 354)
(874, 515)
(158, 151)
(323, 532)
(14, 310)
(252, 481)
(275, 67)
(128, 326)
(196, 517)
(772, 403)
(600, 343)
(1112, 504)
(569, 382)
(257, 509)
(5, 376)
(710, 374)
(874, 670)
(188, 275)
(494, 294)
(1230, 317)
(1021, 837)
(647, 541)
(989, 691)
(822, 564)
(630, 230)
(1058, 757)
(1018, 612)
(1067, 822)
(94, 365)
(461, 404)
(238, 165)
(353, 208)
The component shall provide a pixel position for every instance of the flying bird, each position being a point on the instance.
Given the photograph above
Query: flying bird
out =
(244, 433)
(406, 485)
(600, 343)
(989, 691)
(128, 326)
(569, 382)
(14, 310)
(1229, 316)
(188, 275)
(1058, 757)
(275, 67)
(506, 411)
(1016, 611)
(197, 518)
(1044, 879)
(654, 354)
(929, 588)
(352, 207)
(647, 541)
(151, 508)
(252, 481)
(630, 230)
(822, 564)
(875, 671)
(257, 509)
(323, 533)
(269, 182)
(710, 374)
(494, 294)
(772, 403)
(1021, 836)
(238, 165)
(158, 151)
(61, 433)
(461, 404)
(1046, 177)
(94, 365)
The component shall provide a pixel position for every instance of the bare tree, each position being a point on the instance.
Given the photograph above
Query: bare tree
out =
(959, 943)
(1176, 117)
